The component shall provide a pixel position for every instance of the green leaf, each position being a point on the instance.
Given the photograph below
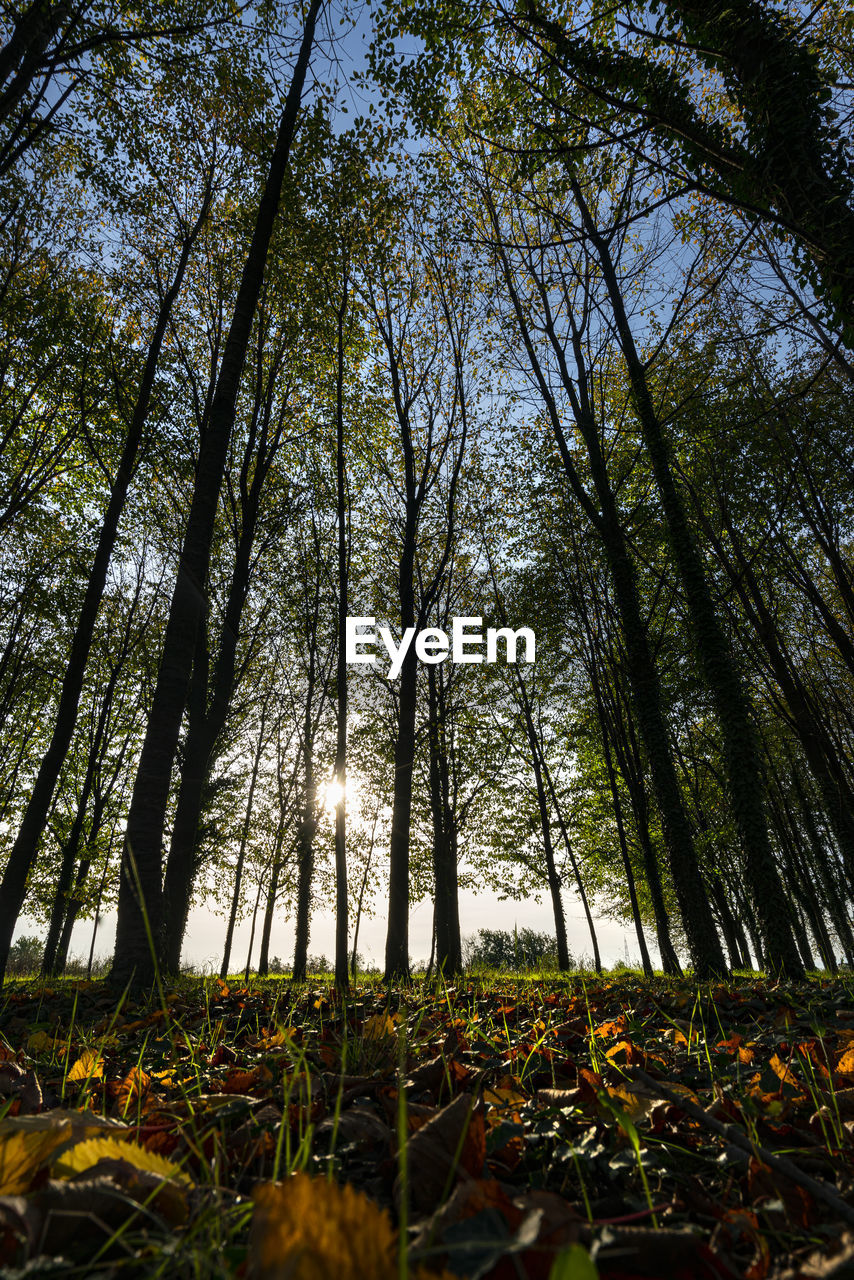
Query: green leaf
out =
(574, 1263)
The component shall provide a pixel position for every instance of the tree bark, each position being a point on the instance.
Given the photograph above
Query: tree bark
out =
(446, 948)
(744, 776)
(241, 854)
(701, 935)
(140, 908)
(25, 849)
(397, 935)
(342, 981)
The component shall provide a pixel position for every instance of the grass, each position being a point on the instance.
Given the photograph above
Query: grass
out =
(491, 1122)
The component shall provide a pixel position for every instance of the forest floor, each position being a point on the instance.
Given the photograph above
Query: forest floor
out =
(546, 1128)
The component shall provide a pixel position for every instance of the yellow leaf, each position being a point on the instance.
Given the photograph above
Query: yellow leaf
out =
(311, 1229)
(83, 1155)
(378, 1027)
(135, 1084)
(89, 1066)
(500, 1097)
(22, 1154)
(635, 1105)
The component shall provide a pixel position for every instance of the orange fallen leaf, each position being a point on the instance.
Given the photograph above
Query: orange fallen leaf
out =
(89, 1066)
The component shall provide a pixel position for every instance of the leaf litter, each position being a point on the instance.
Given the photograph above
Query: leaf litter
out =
(494, 1129)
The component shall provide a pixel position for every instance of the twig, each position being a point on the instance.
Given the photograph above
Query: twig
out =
(731, 1133)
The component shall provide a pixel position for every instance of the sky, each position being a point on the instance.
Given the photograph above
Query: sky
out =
(206, 931)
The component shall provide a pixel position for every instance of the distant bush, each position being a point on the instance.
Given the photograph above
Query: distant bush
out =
(318, 964)
(509, 950)
(25, 957)
(77, 966)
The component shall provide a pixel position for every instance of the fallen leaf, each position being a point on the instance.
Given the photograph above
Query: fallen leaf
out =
(85, 1155)
(310, 1229)
(22, 1155)
(89, 1066)
(452, 1141)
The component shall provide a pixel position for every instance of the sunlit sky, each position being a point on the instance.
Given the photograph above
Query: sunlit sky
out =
(206, 931)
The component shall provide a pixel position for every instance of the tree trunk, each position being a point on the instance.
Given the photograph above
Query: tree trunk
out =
(701, 935)
(195, 770)
(272, 891)
(397, 936)
(241, 855)
(744, 776)
(446, 947)
(140, 908)
(341, 922)
(576, 870)
(206, 721)
(363, 886)
(727, 922)
(252, 932)
(308, 827)
(624, 851)
(552, 876)
(631, 767)
(25, 849)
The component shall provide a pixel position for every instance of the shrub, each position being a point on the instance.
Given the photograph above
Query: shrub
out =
(25, 957)
(503, 949)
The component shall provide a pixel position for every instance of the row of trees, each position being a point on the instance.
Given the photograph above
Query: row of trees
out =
(576, 356)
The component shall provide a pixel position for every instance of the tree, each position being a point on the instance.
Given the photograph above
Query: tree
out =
(140, 896)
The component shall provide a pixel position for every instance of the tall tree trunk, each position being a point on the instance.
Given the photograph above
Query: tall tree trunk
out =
(742, 760)
(552, 876)
(447, 944)
(25, 849)
(630, 763)
(252, 931)
(397, 935)
(98, 901)
(308, 827)
(576, 870)
(241, 854)
(272, 891)
(362, 887)
(727, 922)
(701, 935)
(140, 907)
(602, 716)
(341, 921)
(624, 850)
(206, 722)
(824, 765)
(195, 769)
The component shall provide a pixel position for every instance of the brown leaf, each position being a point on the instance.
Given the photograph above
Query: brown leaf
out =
(358, 1126)
(310, 1229)
(22, 1086)
(453, 1141)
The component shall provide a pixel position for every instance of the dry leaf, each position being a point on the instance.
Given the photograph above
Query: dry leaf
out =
(452, 1141)
(85, 1155)
(311, 1229)
(22, 1155)
(89, 1066)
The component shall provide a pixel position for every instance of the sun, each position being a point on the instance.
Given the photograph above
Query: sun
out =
(333, 794)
